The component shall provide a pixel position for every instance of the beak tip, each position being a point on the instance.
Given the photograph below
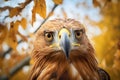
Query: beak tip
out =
(67, 54)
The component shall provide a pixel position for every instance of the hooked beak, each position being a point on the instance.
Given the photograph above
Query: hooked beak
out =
(64, 38)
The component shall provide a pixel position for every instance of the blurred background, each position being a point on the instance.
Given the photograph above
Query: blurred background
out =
(20, 19)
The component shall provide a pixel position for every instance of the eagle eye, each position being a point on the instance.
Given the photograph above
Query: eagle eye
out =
(48, 36)
(78, 34)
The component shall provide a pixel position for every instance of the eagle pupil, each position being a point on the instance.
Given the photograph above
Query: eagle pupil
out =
(78, 34)
(49, 35)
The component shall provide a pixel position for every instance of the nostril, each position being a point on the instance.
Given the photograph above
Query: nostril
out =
(69, 35)
(63, 26)
(59, 36)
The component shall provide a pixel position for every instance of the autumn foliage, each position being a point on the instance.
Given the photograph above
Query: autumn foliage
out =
(107, 44)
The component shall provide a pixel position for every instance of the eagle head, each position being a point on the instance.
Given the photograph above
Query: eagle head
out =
(62, 51)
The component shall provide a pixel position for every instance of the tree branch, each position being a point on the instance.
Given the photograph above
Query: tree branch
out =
(15, 69)
(21, 6)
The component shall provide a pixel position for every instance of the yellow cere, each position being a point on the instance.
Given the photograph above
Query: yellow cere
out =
(62, 31)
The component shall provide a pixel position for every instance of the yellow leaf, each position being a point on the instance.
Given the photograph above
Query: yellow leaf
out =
(40, 7)
(24, 23)
(3, 33)
(33, 15)
(11, 37)
(58, 1)
(31, 62)
(14, 11)
(96, 3)
(15, 25)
